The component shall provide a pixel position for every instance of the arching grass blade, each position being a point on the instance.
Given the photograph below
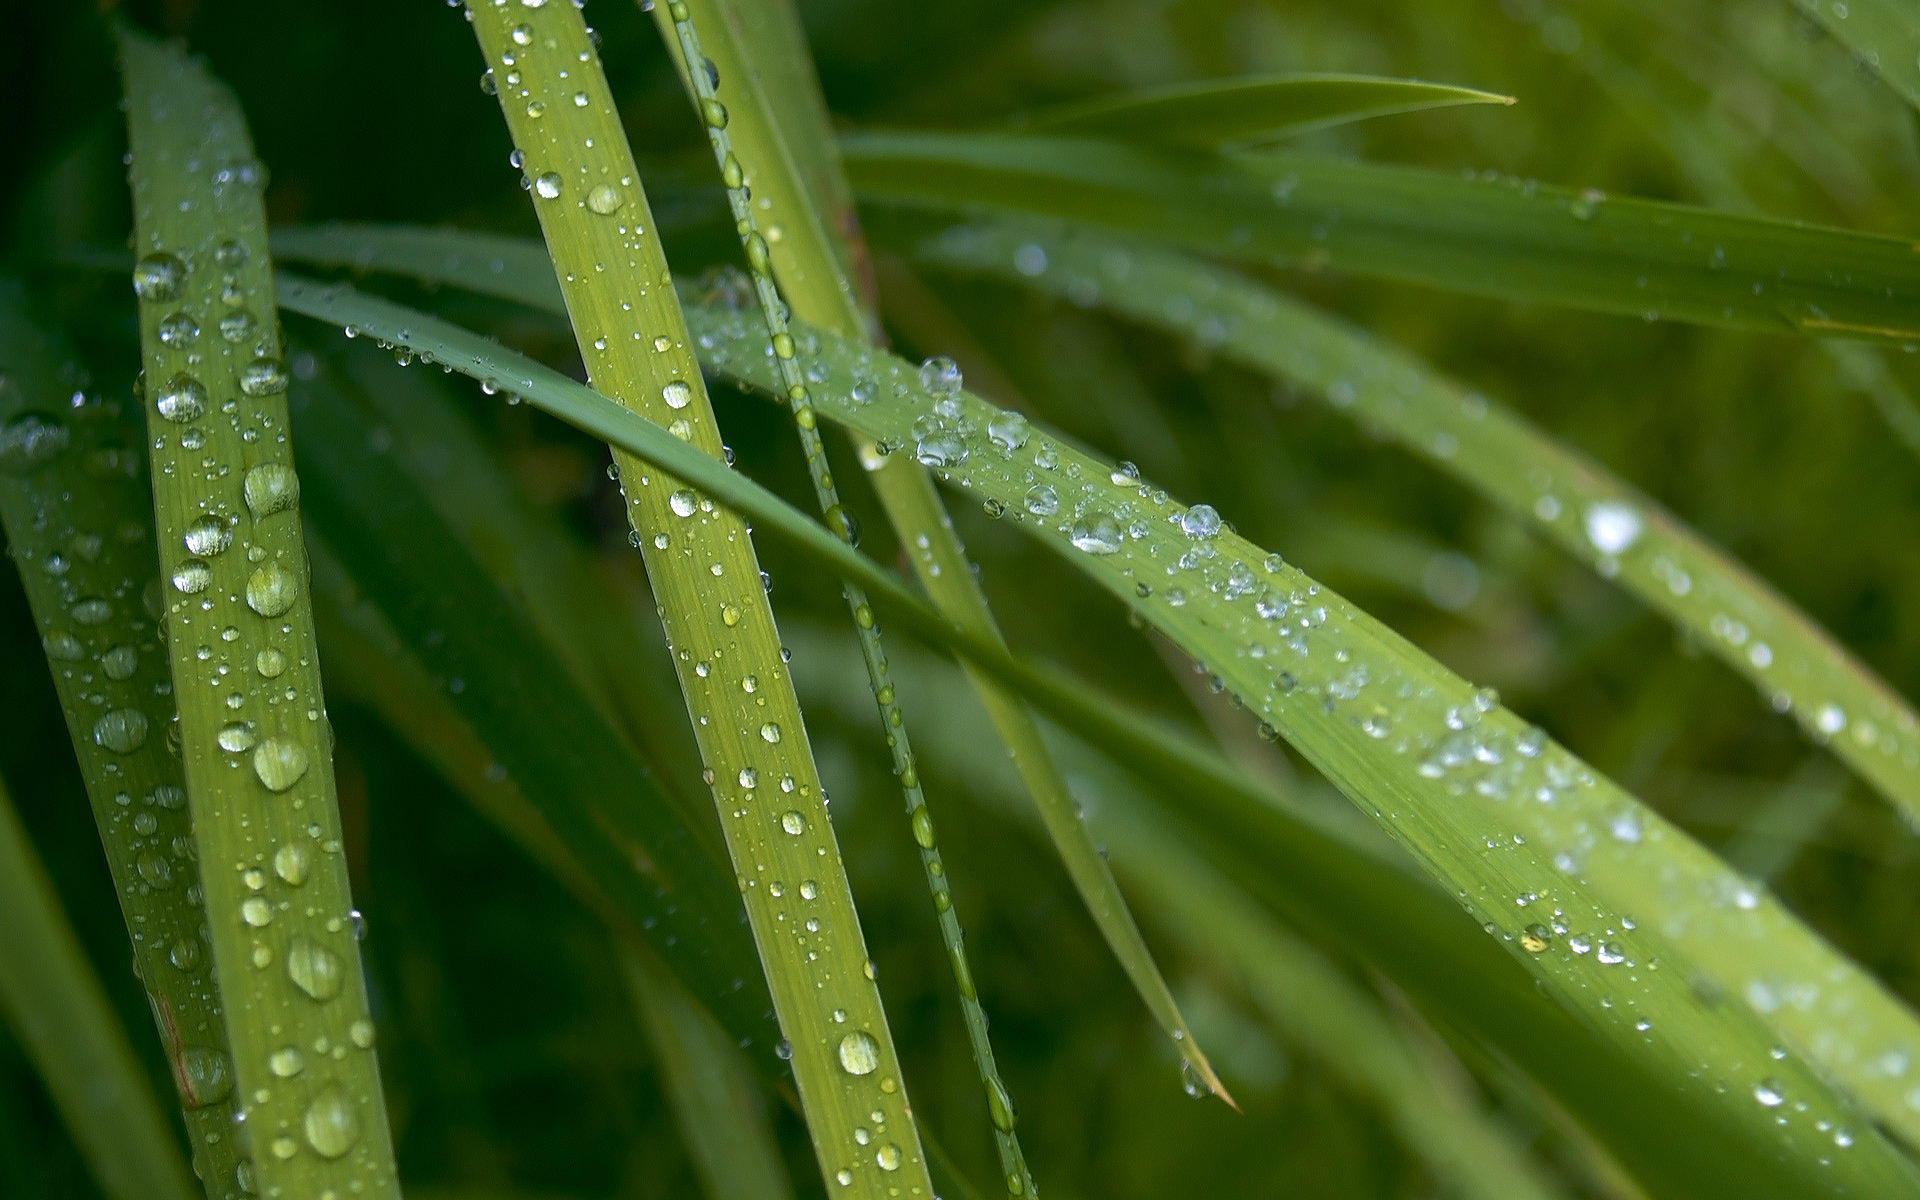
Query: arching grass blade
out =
(1506, 238)
(1247, 113)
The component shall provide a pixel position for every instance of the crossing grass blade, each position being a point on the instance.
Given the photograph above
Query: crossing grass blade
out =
(515, 269)
(254, 739)
(56, 1007)
(1487, 804)
(1510, 239)
(1796, 665)
(721, 1116)
(1883, 34)
(632, 336)
(1250, 113)
(78, 514)
(1310, 1004)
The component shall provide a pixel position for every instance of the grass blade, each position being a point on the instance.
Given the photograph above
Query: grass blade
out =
(254, 738)
(1884, 34)
(1509, 239)
(1248, 113)
(1796, 665)
(719, 1111)
(50, 997)
(632, 335)
(79, 520)
(1578, 850)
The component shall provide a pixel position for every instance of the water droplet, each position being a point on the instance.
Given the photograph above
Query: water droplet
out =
(237, 737)
(793, 821)
(120, 662)
(184, 954)
(157, 277)
(1200, 521)
(192, 576)
(1612, 526)
(361, 1033)
(1009, 430)
(271, 488)
(91, 610)
(271, 590)
(62, 646)
(683, 502)
(206, 1077)
(291, 862)
(207, 537)
(30, 440)
(121, 730)
(179, 330)
(331, 1124)
(941, 376)
(1098, 535)
(1535, 938)
(314, 969)
(181, 398)
(255, 911)
(1000, 1106)
(286, 1062)
(237, 326)
(548, 185)
(677, 394)
(154, 868)
(270, 663)
(887, 1157)
(279, 763)
(922, 822)
(605, 199)
(1770, 1093)
(1831, 719)
(770, 733)
(859, 1053)
(263, 377)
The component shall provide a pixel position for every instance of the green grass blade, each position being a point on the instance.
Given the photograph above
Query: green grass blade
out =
(1240, 114)
(57, 1009)
(1797, 666)
(1505, 238)
(589, 792)
(514, 269)
(1311, 1005)
(79, 520)
(719, 1111)
(254, 737)
(766, 786)
(1736, 972)
(1883, 34)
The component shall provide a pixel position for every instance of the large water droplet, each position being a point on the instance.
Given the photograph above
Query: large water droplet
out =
(1099, 534)
(279, 763)
(941, 376)
(1009, 430)
(859, 1053)
(207, 537)
(314, 969)
(677, 394)
(263, 377)
(271, 488)
(181, 398)
(271, 590)
(237, 326)
(548, 185)
(331, 1125)
(206, 1077)
(121, 730)
(286, 1062)
(179, 330)
(1200, 521)
(192, 576)
(605, 199)
(236, 738)
(157, 277)
(291, 862)
(683, 503)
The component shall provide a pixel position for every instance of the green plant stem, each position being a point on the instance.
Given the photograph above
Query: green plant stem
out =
(49, 995)
(631, 333)
(78, 513)
(254, 738)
